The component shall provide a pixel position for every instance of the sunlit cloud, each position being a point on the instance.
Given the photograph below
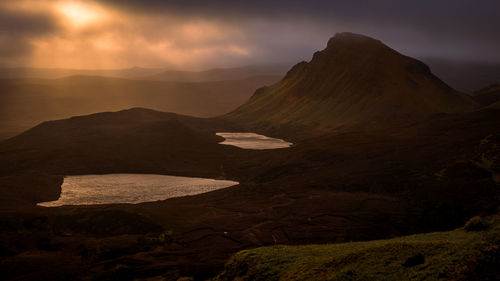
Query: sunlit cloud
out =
(91, 35)
(80, 14)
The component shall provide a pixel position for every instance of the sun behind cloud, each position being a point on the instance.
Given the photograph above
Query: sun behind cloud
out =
(79, 14)
(96, 35)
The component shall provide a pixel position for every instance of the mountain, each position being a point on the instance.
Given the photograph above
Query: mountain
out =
(220, 74)
(26, 102)
(488, 96)
(355, 80)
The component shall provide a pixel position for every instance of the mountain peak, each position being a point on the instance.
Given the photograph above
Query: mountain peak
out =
(348, 38)
(354, 80)
(349, 44)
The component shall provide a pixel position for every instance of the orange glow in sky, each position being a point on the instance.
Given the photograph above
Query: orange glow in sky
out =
(92, 35)
(79, 14)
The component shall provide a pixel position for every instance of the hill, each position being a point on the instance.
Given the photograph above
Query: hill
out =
(460, 254)
(117, 141)
(27, 102)
(488, 96)
(355, 80)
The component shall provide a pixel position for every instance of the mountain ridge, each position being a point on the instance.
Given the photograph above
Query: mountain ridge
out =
(355, 79)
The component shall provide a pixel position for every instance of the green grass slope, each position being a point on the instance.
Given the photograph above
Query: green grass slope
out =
(469, 253)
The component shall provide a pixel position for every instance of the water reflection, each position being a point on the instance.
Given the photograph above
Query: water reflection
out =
(130, 188)
(253, 141)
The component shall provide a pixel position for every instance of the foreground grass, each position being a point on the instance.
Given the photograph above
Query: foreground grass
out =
(454, 255)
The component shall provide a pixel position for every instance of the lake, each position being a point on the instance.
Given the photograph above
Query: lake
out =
(130, 188)
(253, 141)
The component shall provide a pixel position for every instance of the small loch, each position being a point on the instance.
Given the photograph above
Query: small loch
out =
(130, 188)
(253, 141)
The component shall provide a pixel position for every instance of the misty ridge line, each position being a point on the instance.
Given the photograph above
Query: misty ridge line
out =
(465, 76)
(154, 74)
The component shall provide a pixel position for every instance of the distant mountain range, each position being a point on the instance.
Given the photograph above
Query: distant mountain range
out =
(54, 73)
(464, 76)
(221, 74)
(156, 74)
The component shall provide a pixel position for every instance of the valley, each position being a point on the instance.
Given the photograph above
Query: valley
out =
(381, 148)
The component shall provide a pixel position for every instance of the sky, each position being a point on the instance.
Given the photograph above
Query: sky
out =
(195, 35)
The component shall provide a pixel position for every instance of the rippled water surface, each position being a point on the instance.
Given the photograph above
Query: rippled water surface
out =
(130, 188)
(253, 141)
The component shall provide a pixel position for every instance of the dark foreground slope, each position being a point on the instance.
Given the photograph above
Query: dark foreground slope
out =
(356, 80)
(429, 172)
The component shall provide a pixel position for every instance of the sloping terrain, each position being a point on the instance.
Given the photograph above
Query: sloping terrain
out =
(488, 96)
(355, 80)
(461, 254)
(136, 139)
(27, 102)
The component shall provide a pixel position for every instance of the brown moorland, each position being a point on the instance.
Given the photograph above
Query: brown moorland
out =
(431, 169)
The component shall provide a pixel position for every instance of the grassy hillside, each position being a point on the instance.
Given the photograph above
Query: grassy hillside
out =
(468, 253)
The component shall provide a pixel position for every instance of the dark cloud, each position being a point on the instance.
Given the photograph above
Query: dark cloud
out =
(25, 22)
(421, 12)
(18, 29)
(423, 28)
